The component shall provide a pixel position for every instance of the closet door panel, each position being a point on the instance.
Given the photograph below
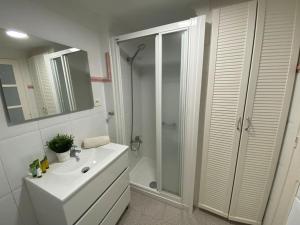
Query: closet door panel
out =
(232, 43)
(270, 87)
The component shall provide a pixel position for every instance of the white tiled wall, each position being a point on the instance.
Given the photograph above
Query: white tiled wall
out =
(287, 151)
(9, 212)
(126, 84)
(21, 144)
(111, 123)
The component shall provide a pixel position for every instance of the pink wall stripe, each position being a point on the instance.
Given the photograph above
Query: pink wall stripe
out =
(106, 78)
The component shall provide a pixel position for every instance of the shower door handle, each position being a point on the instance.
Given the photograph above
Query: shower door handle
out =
(170, 125)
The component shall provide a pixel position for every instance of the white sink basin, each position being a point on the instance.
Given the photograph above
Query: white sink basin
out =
(72, 165)
(64, 179)
(87, 158)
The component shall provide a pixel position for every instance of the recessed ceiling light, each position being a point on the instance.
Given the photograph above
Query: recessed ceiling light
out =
(16, 34)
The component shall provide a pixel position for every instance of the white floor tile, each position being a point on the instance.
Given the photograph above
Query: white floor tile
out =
(144, 210)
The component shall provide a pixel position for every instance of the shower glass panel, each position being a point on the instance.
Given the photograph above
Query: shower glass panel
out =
(137, 64)
(171, 94)
(80, 79)
(61, 85)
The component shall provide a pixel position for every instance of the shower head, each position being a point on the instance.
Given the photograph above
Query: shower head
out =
(140, 47)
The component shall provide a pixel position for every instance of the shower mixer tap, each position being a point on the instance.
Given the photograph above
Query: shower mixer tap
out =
(110, 115)
(136, 143)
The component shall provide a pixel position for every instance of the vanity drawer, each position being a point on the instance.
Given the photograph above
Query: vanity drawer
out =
(102, 206)
(78, 204)
(115, 213)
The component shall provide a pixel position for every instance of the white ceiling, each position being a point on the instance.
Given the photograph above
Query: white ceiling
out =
(24, 44)
(120, 16)
(14, 48)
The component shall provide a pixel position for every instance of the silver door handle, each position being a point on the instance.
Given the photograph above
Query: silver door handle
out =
(248, 119)
(239, 124)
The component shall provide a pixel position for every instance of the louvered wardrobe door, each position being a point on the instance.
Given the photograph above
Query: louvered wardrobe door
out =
(231, 48)
(270, 87)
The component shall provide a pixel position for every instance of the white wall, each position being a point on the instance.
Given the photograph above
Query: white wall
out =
(144, 97)
(137, 121)
(202, 109)
(21, 144)
(111, 120)
(108, 88)
(148, 111)
(275, 211)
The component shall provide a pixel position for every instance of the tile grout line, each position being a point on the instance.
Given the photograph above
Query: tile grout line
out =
(5, 174)
(27, 132)
(11, 192)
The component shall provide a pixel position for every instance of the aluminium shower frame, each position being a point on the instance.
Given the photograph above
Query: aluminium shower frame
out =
(192, 67)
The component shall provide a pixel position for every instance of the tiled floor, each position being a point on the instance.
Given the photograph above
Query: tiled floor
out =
(144, 210)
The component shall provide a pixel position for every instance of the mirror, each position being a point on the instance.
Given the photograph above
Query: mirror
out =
(40, 78)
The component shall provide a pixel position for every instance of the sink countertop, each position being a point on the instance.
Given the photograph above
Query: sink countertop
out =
(62, 184)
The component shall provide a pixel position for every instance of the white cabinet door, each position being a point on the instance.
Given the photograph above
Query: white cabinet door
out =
(232, 44)
(45, 90)
(19, 111)
(271, 80)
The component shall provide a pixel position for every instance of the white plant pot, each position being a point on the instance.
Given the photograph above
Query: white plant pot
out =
(62, 157)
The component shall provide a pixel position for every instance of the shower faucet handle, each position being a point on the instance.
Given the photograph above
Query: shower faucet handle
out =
(110, 114)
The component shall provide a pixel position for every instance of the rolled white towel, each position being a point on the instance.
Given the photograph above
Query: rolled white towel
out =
(95, 142)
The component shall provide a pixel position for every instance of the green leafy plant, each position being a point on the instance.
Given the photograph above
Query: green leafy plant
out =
(61, 143)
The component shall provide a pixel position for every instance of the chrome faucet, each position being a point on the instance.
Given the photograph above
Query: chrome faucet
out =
(75, 153)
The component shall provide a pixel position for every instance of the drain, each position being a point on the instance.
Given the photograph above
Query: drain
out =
(85, 169)
(153, 184)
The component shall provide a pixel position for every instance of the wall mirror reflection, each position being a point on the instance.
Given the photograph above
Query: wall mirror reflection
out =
(40, 78)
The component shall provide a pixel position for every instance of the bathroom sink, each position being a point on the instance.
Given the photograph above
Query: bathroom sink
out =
(88, 158)
(86, 191)
(65, 178)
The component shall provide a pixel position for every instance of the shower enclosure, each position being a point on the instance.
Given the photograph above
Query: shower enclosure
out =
(157, 76)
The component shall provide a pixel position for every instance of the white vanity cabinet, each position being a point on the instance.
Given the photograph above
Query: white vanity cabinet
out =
(98, 196)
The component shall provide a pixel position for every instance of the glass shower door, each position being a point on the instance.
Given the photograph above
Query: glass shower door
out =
(172, 105)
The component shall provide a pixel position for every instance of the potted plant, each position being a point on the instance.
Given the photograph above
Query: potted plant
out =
(61, 145)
